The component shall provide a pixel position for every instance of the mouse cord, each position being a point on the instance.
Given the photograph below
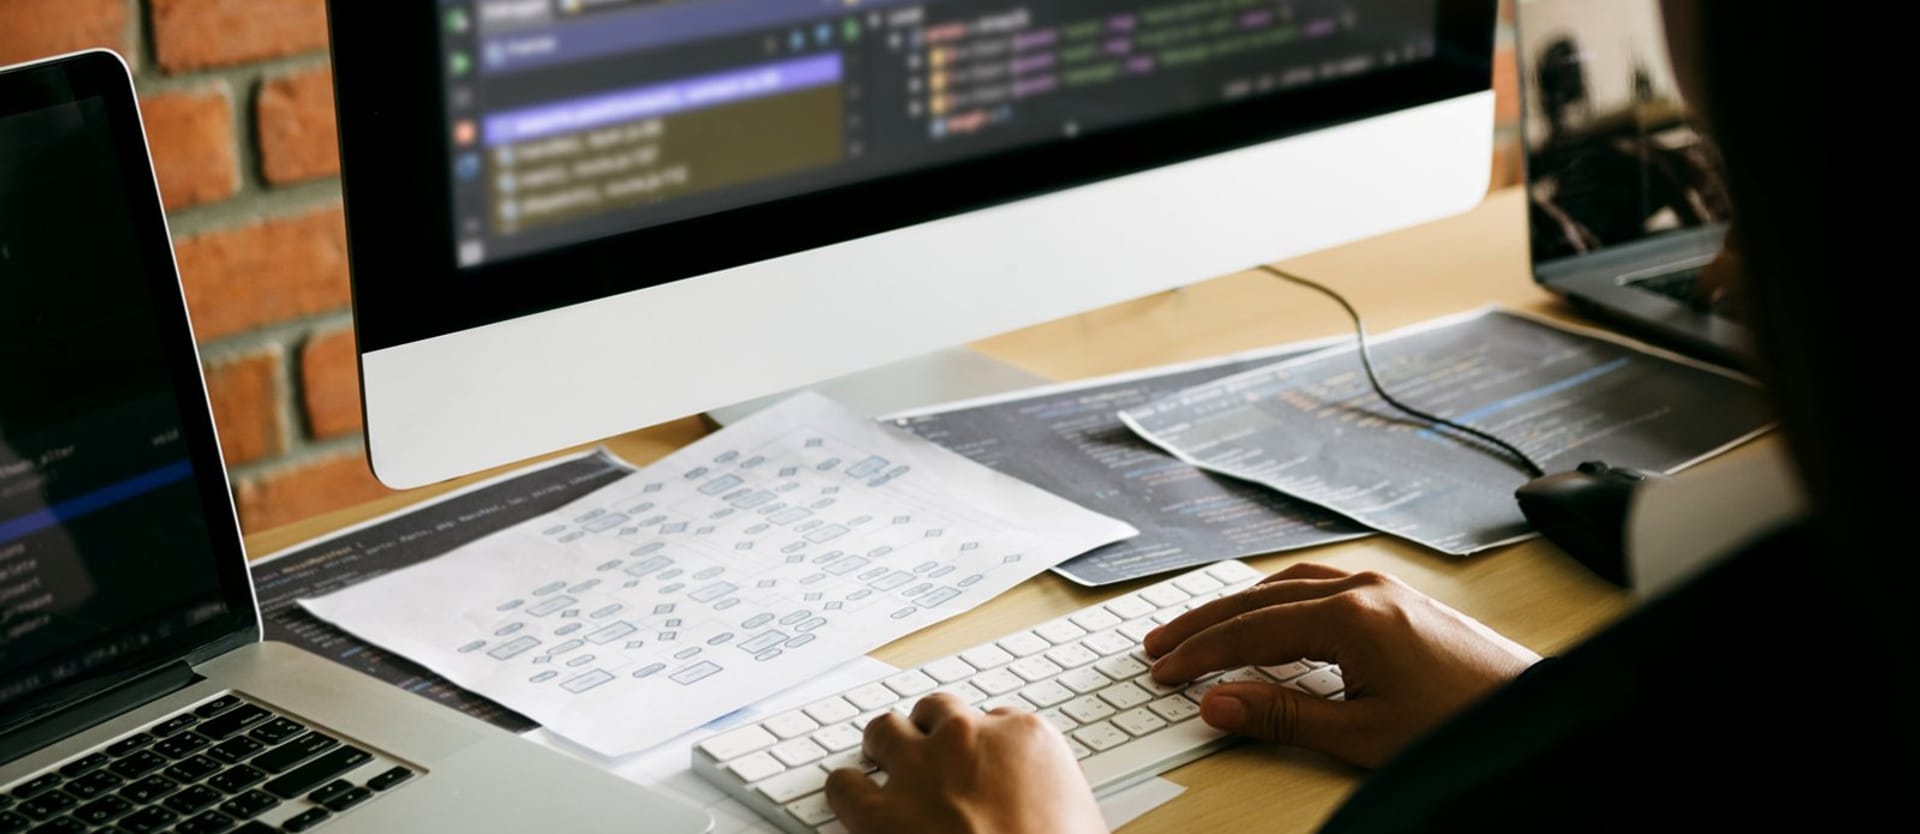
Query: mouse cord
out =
(1366, 361)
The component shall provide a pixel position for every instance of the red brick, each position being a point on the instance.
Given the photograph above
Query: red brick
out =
(246, 406)
(304, 491)
(32, 29)
(330, 375)
(1506, 87)
(1509, 162)
(196, 34)
(191, 137)
(297, 132)
(278, 269)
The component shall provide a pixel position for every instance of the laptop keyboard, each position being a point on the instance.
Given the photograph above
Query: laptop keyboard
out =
(224, 766)
(1678, 286)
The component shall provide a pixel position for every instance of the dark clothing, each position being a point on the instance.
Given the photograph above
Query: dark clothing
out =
(1749, 699)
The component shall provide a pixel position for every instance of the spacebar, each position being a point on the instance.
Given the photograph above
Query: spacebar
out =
(1152, 754)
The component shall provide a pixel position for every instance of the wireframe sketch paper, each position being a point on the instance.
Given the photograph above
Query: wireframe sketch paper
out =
(1313, 428)
(1068, 440)
(752, 559)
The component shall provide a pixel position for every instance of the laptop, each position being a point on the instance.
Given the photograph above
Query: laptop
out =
(135, 692)
(1626, 203)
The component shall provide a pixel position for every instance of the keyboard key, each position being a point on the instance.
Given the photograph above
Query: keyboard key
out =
(305, 820)
(94, 784)
(793, 784)
(192, 798)
(10, 822)
(1287, 672)
(754, 767)
(255, 827)
(211, 822)
(1145, 681)
(1137, 630)
(63, 825)
(192, 769)
(986, 657)
(216, 706)
(1059, 720)
(832, 711)
(1174, 709)
(1198, 584)
(1010, 700)
(1080, 751)
(279, 759)
(1033, 669)
(235, 749)
(949, 669)
(303, 778)
(871, 697)
(148, 820)
(736, 743)
(1100, 736)
(998, 682)
(1060, 631)
(850, 759)
(1321, 682)
(48, 804)
(328, 791)
(349, 799)
(175, 724)
(1023, 644)
(1071, 655)
(1047, 693)
(248, 804)
(37, 785)
(83, 764)
(237, 778)
(1232, 572)
(276, 731)
(790, 725)
(911, 683)
(966, 692)
(1095, 619)
(1130, 607)
(129, 744)
(1139, 722)
(181, 745)
(798, 752)
(811, 810)
(1121, 668)
(100, 811)
(1087, 709)
(389, 778)
(149, 789)
(838, 737)
(1085, 680)
(1164, 595)
(239, 718)
(1109, 642)
(1125, 695)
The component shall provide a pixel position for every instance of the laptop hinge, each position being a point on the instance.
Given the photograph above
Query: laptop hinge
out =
(90, 711)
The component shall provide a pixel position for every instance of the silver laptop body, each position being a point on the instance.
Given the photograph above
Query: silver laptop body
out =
(132, 674)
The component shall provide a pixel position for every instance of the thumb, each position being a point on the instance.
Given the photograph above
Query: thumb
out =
(853, 796)
(1275, 713)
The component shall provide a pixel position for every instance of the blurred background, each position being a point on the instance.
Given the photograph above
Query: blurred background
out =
(238, 106)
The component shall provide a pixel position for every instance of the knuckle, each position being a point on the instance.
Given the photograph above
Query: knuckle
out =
(1349, 607)
(1372, 578)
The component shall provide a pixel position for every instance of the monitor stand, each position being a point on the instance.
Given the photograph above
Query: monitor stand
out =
(943, 376)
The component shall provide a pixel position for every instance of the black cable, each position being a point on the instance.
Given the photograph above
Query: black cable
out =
(1366, 361)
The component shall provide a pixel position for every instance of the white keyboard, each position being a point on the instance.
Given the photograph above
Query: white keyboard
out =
(1085, 673)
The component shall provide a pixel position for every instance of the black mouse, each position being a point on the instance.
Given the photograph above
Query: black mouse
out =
(1585, 513)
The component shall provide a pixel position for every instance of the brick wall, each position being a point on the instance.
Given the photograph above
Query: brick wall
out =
(239, 110)
(238, 105)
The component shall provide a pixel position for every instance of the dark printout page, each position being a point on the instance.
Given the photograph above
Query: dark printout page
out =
(1069, 440)
(1312, 428)
(413, 536)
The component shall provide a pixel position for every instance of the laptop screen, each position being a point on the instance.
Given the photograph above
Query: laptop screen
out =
(1612, 155)
(105, 540)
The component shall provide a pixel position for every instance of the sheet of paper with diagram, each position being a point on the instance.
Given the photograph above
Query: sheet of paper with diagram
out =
(757, 557)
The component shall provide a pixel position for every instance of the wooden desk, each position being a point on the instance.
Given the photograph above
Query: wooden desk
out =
(1529, 591)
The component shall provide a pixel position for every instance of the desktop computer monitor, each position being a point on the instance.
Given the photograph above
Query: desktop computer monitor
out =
(572, 218)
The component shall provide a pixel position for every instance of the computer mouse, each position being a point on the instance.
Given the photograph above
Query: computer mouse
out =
(1585, 512)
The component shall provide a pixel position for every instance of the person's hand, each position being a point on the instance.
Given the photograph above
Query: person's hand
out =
(952, 769)
(1409, 661)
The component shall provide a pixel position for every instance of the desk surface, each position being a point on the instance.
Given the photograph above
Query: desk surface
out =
(1528, 591)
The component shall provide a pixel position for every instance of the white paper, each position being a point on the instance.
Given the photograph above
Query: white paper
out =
(760, 556)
